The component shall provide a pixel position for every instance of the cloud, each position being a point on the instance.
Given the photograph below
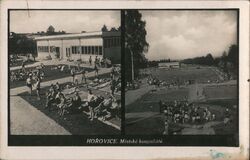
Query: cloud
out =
(186, 34)
(67, 20)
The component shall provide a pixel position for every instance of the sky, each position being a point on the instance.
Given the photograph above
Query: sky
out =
(67, 20)
(179, 34)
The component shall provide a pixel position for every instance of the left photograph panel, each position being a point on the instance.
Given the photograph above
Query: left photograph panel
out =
(64, 72)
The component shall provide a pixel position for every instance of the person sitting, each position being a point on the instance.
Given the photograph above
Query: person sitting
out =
(12, 76)
(42, 65)
(116, 109)
(100, 110)
(63, 68)
(57, 87)
(62, 105)
(51, 95)
(75, 103)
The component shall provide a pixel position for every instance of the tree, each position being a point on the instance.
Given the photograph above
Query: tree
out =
(113, 29)
(20, 44)
(104, 28)
(119, 28)
(209, 59)
(50, 30)
(135, 43)
(233, 54)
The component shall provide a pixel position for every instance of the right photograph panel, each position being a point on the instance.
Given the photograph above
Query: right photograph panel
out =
(181, 72)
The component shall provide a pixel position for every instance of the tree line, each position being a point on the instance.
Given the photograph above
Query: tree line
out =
(22, 44)
(226, 58)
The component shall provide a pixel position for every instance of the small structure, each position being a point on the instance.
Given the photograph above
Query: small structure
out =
(81, 46)
(169, 65)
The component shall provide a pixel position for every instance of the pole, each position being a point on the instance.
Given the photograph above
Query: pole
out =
(80, 49)
(132, 64)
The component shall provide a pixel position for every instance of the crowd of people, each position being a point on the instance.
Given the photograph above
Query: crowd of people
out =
(24, 73)
(183, 112)
(100, 62)
(71, 102)
(152, 80)
(96, 105)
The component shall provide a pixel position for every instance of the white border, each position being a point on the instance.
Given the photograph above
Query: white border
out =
(241, 152)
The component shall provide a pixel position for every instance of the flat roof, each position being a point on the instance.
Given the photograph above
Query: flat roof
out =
(80, 35)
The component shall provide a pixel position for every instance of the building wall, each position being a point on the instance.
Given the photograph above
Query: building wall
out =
(41, 54)
(83, 42)
(169, 65)
(69, 48)
(53, 44)
(114, 54)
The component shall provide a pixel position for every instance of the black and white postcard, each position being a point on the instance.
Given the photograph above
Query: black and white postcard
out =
(124, 80)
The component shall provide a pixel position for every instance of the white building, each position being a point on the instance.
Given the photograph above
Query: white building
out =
(169, 64)
(81, 46)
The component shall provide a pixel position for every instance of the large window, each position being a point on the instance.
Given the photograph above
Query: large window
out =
(43, 49)
(89, 50)
(92, 50)
(83, 51)
(96, 50)
(67, 52)
(75, 50)
(112, 42)
(100, 50)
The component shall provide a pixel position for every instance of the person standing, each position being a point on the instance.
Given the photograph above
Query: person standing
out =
(29, 83)
(90, 60)
(165, 128)
(23, 66)
(96, 60)
(112, 74)
(91, 103)
(96, 70)
(72, 72)
(112, 86)
(84, 76)
(38, 87)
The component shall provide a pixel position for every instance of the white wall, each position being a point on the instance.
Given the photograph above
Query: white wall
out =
(68, 43)
(42, 55)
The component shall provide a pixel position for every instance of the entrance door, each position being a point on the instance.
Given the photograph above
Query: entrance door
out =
(68, 53)
(57, 52)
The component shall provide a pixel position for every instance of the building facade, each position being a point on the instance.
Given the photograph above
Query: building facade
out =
(169, 65)
(81, 46)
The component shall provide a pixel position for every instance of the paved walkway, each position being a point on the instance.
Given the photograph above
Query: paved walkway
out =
(18, 90)
(132, 95)
(26, 119)
(50, 62)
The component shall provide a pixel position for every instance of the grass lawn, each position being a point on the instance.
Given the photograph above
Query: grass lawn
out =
(217, 99)
(49, 75)
(77, 123)
(151, 126)
(149, 101)
(187, 73)
(221, 92)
